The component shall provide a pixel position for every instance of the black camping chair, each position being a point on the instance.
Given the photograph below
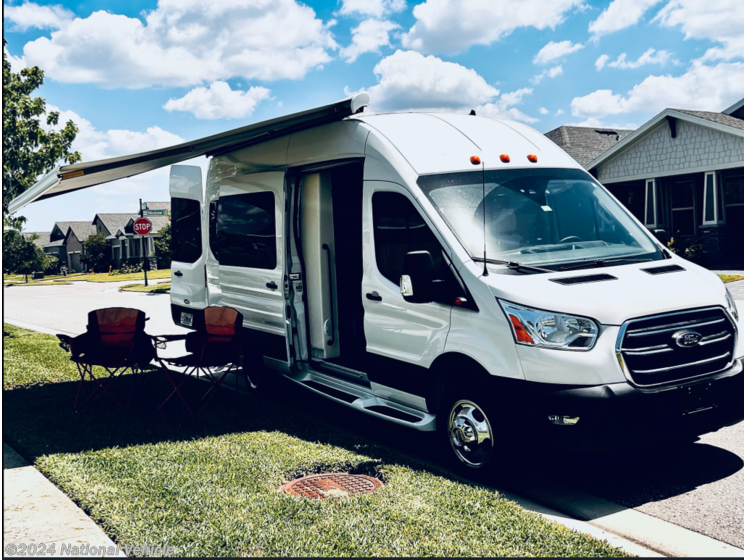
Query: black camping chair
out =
(214, 352)
(115, 340)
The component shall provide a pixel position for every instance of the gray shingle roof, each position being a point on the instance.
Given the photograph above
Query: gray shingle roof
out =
(42, 237)
(719, 118)
(58, 243)
(584, 144)
(82, 230)
(112, 222)
(159, 205)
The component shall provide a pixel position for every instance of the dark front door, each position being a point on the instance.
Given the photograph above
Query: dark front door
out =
(733, 194)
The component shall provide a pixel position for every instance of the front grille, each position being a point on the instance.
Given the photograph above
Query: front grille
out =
(652, 356)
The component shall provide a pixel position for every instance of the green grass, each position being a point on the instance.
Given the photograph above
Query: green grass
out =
(207, 484)
(730, 277)
(153, 289)
(105, 277)
(36, 284)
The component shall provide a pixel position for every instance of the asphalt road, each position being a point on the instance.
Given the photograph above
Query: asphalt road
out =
(698, 486)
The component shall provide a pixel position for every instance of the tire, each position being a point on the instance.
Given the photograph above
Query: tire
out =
(259, 378)
(467, 431)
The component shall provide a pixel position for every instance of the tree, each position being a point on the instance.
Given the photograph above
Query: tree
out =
(28, 150)
(97, 253)
(163, 251)
(21, 255)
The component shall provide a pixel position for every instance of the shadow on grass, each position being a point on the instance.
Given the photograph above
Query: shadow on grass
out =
(39, 421)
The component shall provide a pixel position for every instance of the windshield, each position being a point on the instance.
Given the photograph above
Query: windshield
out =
(536, 216)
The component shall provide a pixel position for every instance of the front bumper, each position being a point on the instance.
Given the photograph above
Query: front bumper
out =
(616, 412)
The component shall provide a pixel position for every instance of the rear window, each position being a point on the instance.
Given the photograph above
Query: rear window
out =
(186, 230)
(246, 233)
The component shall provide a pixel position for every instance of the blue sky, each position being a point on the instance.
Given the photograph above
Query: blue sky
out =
(138, 75)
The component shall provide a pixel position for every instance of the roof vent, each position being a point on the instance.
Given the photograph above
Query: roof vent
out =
(583, 279)
(663, 269)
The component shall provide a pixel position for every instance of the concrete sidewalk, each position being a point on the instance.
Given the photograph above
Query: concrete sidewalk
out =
(36, 512)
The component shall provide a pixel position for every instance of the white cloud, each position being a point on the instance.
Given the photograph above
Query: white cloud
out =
(720, 21)
(650, 56)
(186, 42)
(408, 80)
(596, 123)
(453, 26)
(559, 112)
(30, 14)
(552, 72)
(219, 101)
(619, 15)
(543, 111)
(16, 62)
(374, 8)
(724, 85)
(601, 61)
(552, 51)
(369, 36)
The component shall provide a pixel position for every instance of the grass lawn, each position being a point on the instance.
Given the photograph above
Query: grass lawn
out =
(207, 485)
(730, 277)
(104, 276)
(36, 284)
(153, 289)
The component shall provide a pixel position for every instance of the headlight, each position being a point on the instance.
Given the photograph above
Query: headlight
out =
(731, 304)
(547, 329)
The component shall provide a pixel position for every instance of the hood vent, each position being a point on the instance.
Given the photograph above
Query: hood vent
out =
(663, 269)
(584, 279)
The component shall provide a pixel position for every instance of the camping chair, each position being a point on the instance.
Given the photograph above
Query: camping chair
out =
(214, 345)
(116, 341)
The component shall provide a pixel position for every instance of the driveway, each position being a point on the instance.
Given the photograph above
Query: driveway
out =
(698, 486)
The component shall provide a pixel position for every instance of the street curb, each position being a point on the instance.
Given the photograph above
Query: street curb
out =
(36, 328)
(661, 536)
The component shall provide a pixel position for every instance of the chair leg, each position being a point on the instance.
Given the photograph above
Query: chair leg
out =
(175, 386)
(214, 389)
(82, 373)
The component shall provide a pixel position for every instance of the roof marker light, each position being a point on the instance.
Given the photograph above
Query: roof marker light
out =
(532, 158)
(475, 160)
(505, 158)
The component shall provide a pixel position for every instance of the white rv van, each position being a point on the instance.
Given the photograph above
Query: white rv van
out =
(445, 272)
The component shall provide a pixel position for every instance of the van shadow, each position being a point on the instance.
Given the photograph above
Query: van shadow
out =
(39, 420)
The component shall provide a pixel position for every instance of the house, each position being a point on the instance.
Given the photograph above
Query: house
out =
(680, 174)
(42, 237)
(137, 246)
(583, 143)
(109, 225)
(66, 243)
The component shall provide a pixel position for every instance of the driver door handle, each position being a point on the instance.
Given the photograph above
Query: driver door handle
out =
(373, 296)
(178, 273)
(271, 285)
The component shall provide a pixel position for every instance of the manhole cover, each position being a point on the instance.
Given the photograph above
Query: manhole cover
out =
(332, 485)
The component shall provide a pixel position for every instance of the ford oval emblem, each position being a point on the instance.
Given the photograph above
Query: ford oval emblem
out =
(687, 339)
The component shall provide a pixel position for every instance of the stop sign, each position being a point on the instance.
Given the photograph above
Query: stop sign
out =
(142, 226)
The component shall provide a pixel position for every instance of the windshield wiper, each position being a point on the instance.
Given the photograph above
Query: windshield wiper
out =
(514, 265)
(602, 262)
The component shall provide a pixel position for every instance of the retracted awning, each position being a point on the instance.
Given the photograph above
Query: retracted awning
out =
(69, 178)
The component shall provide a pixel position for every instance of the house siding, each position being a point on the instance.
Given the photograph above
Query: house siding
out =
(657, 154)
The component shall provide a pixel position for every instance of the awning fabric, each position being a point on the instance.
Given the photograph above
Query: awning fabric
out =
(69, 178)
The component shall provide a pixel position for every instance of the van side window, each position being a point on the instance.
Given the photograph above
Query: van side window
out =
(186, 230)
(398, 229)
(246, 230)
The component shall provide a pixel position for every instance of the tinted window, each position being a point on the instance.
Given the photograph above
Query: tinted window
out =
(186, 230)
(214, 227)
(399, 229)
(246, 230)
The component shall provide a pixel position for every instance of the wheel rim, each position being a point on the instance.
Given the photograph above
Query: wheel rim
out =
(470, 434)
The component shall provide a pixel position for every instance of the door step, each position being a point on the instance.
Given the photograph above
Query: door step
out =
(361, 398)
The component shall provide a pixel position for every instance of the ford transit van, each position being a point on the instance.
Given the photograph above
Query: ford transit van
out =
(444, 272)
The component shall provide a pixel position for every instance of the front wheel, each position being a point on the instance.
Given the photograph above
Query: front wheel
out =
(469, 434)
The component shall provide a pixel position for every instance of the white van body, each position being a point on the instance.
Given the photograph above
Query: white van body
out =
(302, 233)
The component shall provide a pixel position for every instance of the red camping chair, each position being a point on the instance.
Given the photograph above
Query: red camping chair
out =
(215, 345)
(116, 341)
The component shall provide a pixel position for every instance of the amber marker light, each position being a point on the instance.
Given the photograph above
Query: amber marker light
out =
(532, 158)
(475, 160)
(505, 158)
(520, 332)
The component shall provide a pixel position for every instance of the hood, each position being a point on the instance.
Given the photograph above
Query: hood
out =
(633, 292)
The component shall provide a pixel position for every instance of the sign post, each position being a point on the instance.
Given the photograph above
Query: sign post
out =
(142, 227)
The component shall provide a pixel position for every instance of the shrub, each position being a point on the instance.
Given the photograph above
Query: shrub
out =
(690, 249)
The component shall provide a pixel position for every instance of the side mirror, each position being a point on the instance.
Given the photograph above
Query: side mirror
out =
(662, 236)
(417, 283)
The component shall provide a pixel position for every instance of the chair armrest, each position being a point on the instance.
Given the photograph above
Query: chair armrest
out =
(76, 345)
(161, 340)
(65, 341)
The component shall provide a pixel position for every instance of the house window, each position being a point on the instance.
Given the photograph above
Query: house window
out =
(651, 204)
(712, 209)
(682, 208)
